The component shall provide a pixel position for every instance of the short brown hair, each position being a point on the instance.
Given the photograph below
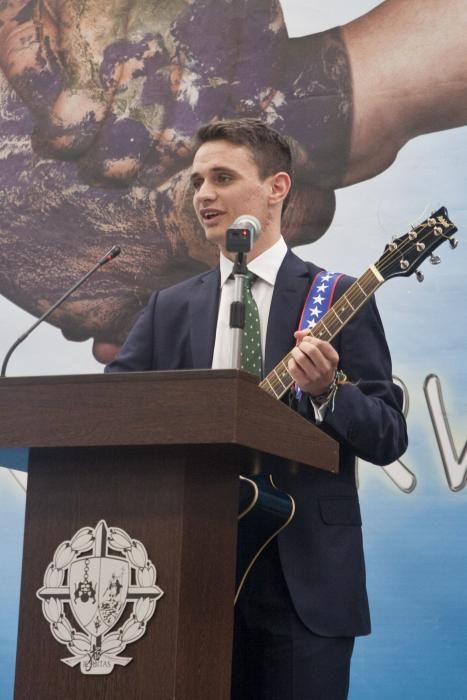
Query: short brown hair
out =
(271, 151)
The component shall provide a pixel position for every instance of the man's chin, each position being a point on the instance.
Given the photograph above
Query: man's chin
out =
(215, 233)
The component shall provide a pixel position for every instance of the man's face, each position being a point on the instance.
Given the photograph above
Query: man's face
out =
(228, 185)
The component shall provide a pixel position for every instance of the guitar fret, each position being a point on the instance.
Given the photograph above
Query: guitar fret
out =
(267, 386)
(359, 296)
(320, 331)
(333, 312)
(333, 322)
(281, 373)
(360, 287)
(346, 298)
(372, 279)
(343, 309)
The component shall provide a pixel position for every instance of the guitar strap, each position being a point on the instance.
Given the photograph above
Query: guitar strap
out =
(318, 301)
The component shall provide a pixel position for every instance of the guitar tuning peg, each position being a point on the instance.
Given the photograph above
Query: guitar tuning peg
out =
(403, 264)
(453, 242)
(435, 259)
(419, 275)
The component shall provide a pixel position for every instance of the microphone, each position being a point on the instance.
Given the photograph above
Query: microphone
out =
(250, 222)
(110, 255)
(242, 234)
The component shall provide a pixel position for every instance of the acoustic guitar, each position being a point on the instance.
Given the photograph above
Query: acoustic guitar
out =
(265, 510)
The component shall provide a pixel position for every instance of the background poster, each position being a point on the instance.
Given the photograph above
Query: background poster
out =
(377, 113)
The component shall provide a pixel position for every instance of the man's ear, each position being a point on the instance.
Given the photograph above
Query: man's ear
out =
(280, 187)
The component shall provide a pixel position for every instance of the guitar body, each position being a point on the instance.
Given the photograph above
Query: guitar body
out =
(264, 511)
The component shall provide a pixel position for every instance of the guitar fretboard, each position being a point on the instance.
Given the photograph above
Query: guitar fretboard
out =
(278, 381)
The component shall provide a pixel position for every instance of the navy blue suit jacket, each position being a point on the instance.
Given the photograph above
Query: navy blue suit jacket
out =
(321, 550)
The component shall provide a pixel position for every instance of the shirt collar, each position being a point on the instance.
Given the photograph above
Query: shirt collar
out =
(265, 266)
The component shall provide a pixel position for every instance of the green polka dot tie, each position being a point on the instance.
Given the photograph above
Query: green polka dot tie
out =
(251, 356)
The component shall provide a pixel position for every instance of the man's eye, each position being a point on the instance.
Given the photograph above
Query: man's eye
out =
(196, 184)
(224, 178)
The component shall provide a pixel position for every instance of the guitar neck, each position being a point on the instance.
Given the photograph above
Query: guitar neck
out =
(278, 381)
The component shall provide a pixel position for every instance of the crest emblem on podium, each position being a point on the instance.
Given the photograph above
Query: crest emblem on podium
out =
(86, 590)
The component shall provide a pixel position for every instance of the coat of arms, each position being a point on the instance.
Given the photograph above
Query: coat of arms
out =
(93, 576)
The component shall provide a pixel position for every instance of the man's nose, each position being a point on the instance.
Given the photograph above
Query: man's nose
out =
(206, 192)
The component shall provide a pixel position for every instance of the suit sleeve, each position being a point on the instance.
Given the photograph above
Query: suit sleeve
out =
(366, 415)
(137, 352)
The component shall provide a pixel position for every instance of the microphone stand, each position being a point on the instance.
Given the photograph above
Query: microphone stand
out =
(237, 310)
(240, 239)
(113, 252)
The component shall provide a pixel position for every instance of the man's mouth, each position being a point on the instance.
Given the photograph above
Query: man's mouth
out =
(210, 216)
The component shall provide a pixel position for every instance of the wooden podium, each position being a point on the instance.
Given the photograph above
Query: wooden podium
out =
(158, 455)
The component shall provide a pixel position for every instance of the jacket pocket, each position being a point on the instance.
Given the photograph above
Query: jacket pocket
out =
(340, 511)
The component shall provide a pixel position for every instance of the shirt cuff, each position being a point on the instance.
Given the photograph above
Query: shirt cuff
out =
(321, 403)
(321, 408)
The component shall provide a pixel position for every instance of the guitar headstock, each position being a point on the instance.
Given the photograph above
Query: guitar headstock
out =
(403, 255)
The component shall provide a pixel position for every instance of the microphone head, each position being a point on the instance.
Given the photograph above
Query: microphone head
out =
(110, 255)
(250, 222)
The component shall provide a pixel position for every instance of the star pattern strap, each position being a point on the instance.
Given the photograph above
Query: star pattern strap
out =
(318, 301)
(251, 356)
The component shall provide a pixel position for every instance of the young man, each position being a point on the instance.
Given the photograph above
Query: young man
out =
(305, 599)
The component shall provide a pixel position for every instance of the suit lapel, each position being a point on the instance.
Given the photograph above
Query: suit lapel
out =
(292, 285)
(204, 306)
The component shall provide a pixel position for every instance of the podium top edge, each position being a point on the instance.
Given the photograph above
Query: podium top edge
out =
(144, 376)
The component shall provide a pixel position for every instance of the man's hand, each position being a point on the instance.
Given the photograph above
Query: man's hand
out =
(313, 365)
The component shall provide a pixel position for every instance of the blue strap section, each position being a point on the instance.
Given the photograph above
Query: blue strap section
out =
(319, 298)
(318, 301)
